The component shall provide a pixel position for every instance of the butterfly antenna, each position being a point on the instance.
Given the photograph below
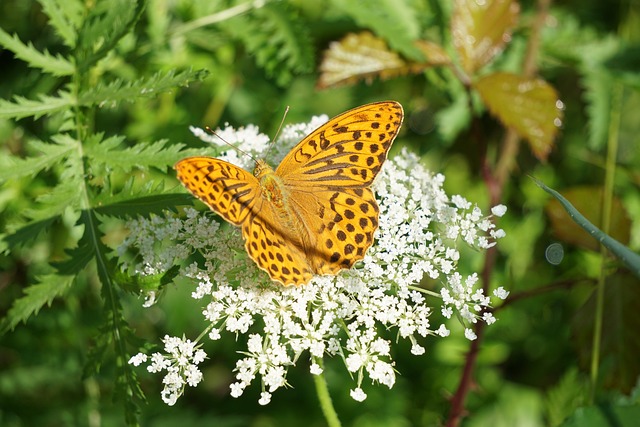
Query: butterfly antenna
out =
(212, 132)
(273, 141)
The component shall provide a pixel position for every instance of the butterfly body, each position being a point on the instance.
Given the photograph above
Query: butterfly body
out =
(313, 214)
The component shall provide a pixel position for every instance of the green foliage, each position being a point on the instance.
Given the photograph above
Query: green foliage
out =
(78, 167)
(95, 103)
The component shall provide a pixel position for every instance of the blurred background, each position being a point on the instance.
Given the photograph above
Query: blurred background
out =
(533, 364)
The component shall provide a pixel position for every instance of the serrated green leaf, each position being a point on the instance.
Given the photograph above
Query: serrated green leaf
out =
(45, 105)
(119, 90)
(36, 296)
(106, 24)
(145, 206)
(82, 254)
(65, 16)
(12, 167)
(598, 84)
(566, 396)
(278, 38)
(56, 65)
(396, 21)
(29, 232)
(158, 154)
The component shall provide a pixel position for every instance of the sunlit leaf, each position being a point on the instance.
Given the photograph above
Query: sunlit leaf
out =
(480, 29)
(588, 201)
(528, 105)
(364, 56)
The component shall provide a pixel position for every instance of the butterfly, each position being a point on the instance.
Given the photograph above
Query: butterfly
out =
(316, 213)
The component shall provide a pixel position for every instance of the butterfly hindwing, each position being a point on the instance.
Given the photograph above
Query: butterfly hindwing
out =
(225, 188)
(275, 248)
(340, 225)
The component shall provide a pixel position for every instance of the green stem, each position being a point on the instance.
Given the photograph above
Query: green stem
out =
(326, 404)
(612, 150)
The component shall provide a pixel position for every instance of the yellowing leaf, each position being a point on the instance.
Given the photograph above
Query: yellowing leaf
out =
(364, 56)
(528, 105)
(434, 53)
(481, 29)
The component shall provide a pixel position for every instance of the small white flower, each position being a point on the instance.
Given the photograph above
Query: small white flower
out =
(501, 293)
(138, 359)
(265, 398)
(443, 331)
(469, 334)
(358, 394)
(315, 369)
(499, 210)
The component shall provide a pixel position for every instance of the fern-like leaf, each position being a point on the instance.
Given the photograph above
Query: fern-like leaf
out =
(120, 90)
(49, 155)
(28, 233)
(65, 16)
(36, 296)
(45, 105)
(279, 40)
(105, 26)
(393, 20)
(56, 65)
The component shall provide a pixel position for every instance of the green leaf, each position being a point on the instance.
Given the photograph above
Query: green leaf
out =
(145, 206)
(45, 105)
(65, 16)
(278, 38)
(157, 154)
(587, 200)
(51, 154)
(628, 257)
(566, 396)
(56, 65)
(396, 21)
(119, 90)
(528, 105)
(29, 232)
(107, 23)
(36, 296)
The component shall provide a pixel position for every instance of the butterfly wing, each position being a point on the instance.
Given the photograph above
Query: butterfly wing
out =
(227, 189)
(276, 248)
(347, 151)
(328, 175)
(339, 226)
(236, 195)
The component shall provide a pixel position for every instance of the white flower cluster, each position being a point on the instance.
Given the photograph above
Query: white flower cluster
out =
(344, 315)
(181, 363)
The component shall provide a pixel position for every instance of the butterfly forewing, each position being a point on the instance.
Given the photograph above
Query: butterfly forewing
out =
(226, 189)
(347, 151)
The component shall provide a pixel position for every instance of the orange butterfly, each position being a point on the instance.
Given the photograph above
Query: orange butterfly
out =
(315, 214)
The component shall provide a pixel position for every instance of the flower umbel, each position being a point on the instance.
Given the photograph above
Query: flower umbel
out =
(420, 228)
(181, 363)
